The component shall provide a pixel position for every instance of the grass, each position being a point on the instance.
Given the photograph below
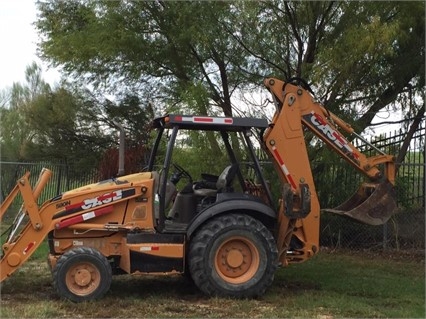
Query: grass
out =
(357, 286)
(328, 286)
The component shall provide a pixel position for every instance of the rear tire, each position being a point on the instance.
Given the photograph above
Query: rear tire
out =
(82, 274)
(233, 255)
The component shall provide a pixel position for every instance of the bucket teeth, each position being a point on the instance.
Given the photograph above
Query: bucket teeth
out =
(372, 204)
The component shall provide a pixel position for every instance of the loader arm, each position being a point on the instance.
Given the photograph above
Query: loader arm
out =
(32, 224)
(17, 250)
(297, 110)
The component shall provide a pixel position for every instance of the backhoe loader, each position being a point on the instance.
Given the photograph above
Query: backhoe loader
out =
(227, 230)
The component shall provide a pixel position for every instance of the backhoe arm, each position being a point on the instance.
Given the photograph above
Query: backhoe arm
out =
(325, 125)
(297, 110)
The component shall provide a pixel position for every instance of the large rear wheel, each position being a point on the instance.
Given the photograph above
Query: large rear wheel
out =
(233, 255)
(82, 274)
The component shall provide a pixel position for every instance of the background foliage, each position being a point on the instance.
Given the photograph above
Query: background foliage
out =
(127, 61)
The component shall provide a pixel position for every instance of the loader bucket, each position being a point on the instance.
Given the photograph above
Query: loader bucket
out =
(372, 204)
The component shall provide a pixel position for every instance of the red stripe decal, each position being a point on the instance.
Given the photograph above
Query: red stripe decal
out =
(229, 121)
(291, 180)
(320, 119)
(281, 162)
(203, 119)
(155, 248)
(77, 205)
(80, 218)
(30, 245)
(277, 155)
(69, 221)
(337, 136)
(106, 196)
(178, 118)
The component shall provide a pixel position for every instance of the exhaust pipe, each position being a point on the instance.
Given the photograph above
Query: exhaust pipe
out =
(121, 148)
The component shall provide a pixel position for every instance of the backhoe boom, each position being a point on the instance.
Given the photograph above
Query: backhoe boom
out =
(297, 110)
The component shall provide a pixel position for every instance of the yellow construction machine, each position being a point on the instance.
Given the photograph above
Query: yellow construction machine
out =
(226, 231)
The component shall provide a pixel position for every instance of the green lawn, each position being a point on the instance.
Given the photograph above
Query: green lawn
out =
(330, 285)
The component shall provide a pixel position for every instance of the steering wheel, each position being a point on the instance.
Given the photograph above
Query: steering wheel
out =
(180, 171)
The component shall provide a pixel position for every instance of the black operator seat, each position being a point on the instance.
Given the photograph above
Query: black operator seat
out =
(223, 183)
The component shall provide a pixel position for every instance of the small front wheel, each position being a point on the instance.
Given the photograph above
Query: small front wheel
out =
(233, 255)
(82, 274)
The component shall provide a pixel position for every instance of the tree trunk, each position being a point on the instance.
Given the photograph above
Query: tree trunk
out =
(413, 128)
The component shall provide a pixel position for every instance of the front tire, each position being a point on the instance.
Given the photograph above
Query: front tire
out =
(82, 274)
(233, 255)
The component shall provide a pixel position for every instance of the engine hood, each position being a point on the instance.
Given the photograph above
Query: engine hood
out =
(109, 183)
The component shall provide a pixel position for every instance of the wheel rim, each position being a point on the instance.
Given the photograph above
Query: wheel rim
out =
(83, 278)
(237, 260)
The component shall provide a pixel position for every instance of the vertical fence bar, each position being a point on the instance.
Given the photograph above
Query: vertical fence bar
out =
(59, 177)
(67, 171)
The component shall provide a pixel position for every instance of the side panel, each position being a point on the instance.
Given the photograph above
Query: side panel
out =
(153, 253)
(108, 243)
(92, 216)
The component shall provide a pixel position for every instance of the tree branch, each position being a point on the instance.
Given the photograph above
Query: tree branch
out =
(413, 128)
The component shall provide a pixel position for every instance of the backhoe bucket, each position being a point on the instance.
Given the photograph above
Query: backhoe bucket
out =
(373, 204)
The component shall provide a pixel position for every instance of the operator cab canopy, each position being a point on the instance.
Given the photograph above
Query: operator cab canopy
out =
(178, 152)
(209, 123)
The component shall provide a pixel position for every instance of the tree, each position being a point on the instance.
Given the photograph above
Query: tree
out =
(66, 128)
(140, 42)
(377, 58)
(205, 52)
(170, 49)
(66, 123)
(135, 120)
(15, 131)
(201, 56)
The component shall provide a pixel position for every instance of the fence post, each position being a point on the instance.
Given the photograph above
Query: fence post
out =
(424, 176)
(58, 188)
(385, 236)
(67, 175)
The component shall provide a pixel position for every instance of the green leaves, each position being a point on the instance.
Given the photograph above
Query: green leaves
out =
(202, 56)
(67, 123)
(347, 49)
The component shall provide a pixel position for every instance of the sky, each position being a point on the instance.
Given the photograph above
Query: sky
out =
(18, 39)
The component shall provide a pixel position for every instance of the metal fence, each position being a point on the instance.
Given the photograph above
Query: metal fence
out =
(64, 178)
(405, 230)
